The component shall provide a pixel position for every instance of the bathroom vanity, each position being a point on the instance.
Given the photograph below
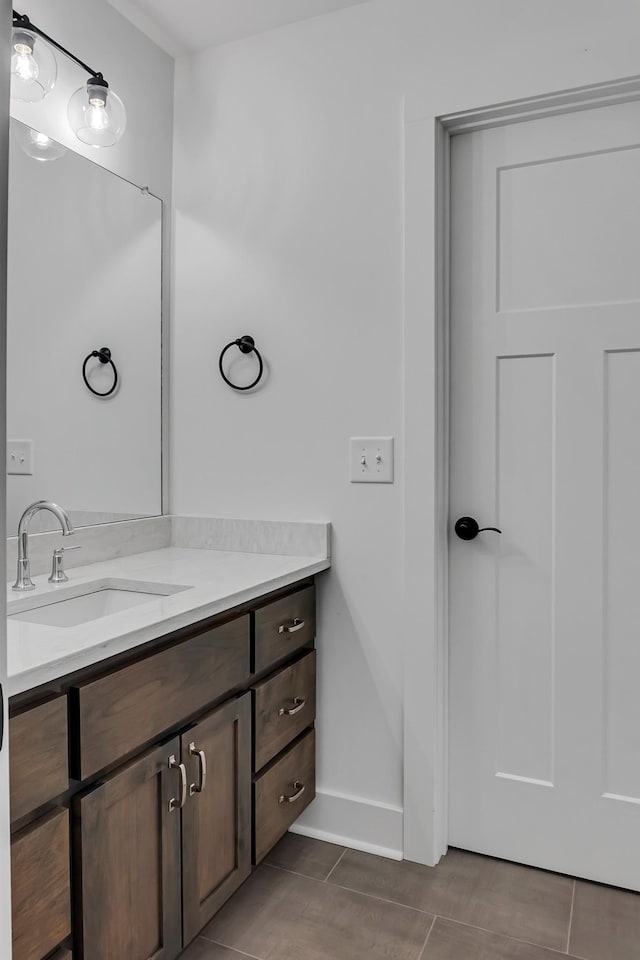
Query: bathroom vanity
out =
(162, 702)
(145, 786)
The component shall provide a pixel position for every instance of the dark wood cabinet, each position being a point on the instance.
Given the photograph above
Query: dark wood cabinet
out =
(284, 626)
(282, 791)
(38, 754)
(216, 819)
(184, 761)
(128, 863)
(126, 708)
(284, 706)
(40, 886)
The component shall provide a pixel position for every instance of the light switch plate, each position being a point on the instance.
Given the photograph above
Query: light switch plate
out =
(20, 457)
(371, 459)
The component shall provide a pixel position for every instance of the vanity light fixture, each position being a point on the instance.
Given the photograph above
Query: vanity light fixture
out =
(96, 114)
(33, 65)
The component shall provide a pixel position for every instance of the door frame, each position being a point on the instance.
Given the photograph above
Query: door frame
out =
(426, 324)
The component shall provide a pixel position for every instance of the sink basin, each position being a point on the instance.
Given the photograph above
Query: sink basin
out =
(91, 601)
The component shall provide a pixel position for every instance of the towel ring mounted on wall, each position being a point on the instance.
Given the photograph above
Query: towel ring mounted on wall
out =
(245, 344)
(104, 356)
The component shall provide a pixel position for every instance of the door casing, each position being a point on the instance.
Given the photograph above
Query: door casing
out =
(426, 390)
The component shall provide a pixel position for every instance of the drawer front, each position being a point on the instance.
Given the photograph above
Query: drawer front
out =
(135, 705)
(38, 756)
(284, 706)
(284, 626)
(279, 795)
(40, 886)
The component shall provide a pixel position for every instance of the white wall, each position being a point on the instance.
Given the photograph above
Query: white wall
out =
(289, 225)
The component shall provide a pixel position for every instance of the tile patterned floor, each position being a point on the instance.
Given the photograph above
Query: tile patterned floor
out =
(316, 901)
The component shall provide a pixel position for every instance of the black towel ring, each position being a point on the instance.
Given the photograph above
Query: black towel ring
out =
(245, 344)
(104, 356)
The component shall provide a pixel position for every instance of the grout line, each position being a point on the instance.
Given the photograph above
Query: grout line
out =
(505, 936)
(421, 955)
(373, 896)
(232, 949)
(359, 893)
(335, 864)
(573, 900)
(294, 873)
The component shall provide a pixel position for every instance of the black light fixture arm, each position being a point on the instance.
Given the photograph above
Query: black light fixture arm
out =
(22, 20)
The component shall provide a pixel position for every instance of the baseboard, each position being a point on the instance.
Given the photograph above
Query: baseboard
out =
(353, 822)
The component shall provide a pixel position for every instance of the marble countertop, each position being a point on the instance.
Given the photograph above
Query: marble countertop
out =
(216, 580)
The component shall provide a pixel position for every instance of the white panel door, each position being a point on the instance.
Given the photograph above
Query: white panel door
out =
(545, 444)
(5, 863)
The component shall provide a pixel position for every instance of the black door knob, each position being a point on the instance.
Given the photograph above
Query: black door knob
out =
(468, 529)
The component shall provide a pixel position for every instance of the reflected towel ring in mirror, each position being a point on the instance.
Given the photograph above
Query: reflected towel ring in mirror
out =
(104, 356)
(245, 344)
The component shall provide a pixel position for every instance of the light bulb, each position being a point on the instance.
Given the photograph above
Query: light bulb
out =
(33, 66)
(36, 145)
(23, 63)
(96, 114)
(97, 117)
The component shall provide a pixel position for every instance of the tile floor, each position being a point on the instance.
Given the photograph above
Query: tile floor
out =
(316, 901)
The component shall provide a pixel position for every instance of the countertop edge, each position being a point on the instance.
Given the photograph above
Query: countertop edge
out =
(50, 672)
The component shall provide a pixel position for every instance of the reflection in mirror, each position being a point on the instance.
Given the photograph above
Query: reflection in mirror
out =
(85, 256)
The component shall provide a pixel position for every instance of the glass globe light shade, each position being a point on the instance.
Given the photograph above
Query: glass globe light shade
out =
(36, 145)
(96, 114)
(33, 66)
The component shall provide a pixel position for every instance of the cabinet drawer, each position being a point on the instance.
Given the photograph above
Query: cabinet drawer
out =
(284, 626)
(39, 760)
(284, 706)
(136, 704)
(282, 792)
(40, 887)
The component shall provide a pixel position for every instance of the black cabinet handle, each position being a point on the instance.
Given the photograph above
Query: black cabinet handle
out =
(468, 529)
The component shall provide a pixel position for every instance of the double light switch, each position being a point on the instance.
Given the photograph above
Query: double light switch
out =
(371, 459)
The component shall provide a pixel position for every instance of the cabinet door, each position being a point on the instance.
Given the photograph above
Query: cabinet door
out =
(41, 886)
(216, 820)
(127, 833)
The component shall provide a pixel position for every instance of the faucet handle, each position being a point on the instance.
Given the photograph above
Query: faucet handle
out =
(57, 564)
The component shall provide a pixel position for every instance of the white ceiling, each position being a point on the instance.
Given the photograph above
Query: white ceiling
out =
(182, 26)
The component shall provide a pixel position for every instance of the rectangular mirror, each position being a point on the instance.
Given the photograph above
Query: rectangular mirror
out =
(85, 272)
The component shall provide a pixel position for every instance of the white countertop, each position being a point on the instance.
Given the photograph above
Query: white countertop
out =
(217, 581)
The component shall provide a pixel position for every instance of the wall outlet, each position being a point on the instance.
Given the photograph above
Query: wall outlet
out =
(20, 457)
(371, 459)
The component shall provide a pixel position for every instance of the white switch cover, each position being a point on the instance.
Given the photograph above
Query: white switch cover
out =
(20, 457)
(371, 459)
